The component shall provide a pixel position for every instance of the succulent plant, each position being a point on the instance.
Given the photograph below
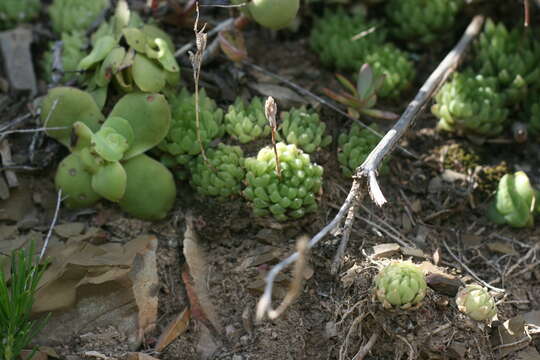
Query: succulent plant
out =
(246, 122)
(332, 38)
(354, 148)
(100, 152)
(75, 15)
(400, 284)
(475, 301)
(362, 98)
(391, 63)
(420, 20)
(290, 195)
(304, 129)
(73, 45)
(223, 174)
(471, 104)
(13, 12)
(515, 201)
(510, 56)
(273, 14)
(532, 114)
(181, 140)
(132, 55)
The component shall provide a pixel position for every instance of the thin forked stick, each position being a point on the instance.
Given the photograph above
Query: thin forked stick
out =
(369, 167)
(270, 110)
(53, 224)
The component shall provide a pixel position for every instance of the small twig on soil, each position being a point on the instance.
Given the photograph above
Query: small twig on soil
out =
(53, 224)
(227, 24)
(57, 63)
(22, 131)
(14, 122)
(509, 272)
(369, 168)
(336, 263)
(357, 322)
(5, 155)
(472, 273)
(226, 6)
(364, 350)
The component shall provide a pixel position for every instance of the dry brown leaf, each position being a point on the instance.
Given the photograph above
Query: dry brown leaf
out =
(177, 327)
(38, 355)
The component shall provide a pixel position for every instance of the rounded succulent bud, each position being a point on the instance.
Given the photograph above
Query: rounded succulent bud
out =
(331, 39)
(354, 148)
(246, 122)
(515, 201)
(422, 21)
(150, 189)
(273, 14)
(400, 285)
(181, 141)
(471, 104)
(509, 56)
(75, 182)
(72, 52)
(13, 12)
(392, 63)
(75, 15)
(475, 301)
(223, 174)
(304, 129)
(291, 195)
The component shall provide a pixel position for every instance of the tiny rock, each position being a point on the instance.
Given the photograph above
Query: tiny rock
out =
(17, 59)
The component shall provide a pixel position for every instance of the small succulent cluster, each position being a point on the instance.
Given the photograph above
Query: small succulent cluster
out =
(181, 144)
(511, 57)
(516, 201)
(471, 104)
(273, 14)
(13, 12)
(332, 37)
(401, 284)
(222, 175)
(304, 129)
(289, 195)
(246, 123)
(476, 302)
(420, 20)
(131, 54)
(73, 45)
(75, 15)
(354, 147)
(532, 114)
(107, 157)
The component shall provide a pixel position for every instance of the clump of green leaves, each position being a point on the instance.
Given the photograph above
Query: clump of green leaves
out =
(75, 15)
(181, 143)
(304, 129)
(107, 158)
(246, 122)
(511, 56)
(73, 45)
(516, 201)
(287, 193)
(475, 301)
(222, 174)
(420, 20)
(354, 148)
(400, 284)
(13, 12)
(471, 104)
(17, 290)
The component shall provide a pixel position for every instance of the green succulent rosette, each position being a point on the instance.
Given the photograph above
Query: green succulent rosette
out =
(515, 201)
(354, 148)
(532, 117)
(476, 302)
(222, 175)
(73, 45)
(181, 144)
(401, 285)
(75, 15)
(471, 104)
(246, 122)
(392, 63)
(304, 129)
(422, 21)
(133, 55)
(511, 56)
(13, 12)
(331, 37)
(290, 196)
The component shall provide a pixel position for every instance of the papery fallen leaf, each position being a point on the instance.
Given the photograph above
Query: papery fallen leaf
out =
(233, 45)
(177, 327)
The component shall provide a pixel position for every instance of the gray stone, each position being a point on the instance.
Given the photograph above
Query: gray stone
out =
(17, 60)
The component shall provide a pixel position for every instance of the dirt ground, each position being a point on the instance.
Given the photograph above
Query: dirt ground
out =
(437, 203)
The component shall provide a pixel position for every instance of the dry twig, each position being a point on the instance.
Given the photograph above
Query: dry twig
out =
(369, 168)
(53, 224)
